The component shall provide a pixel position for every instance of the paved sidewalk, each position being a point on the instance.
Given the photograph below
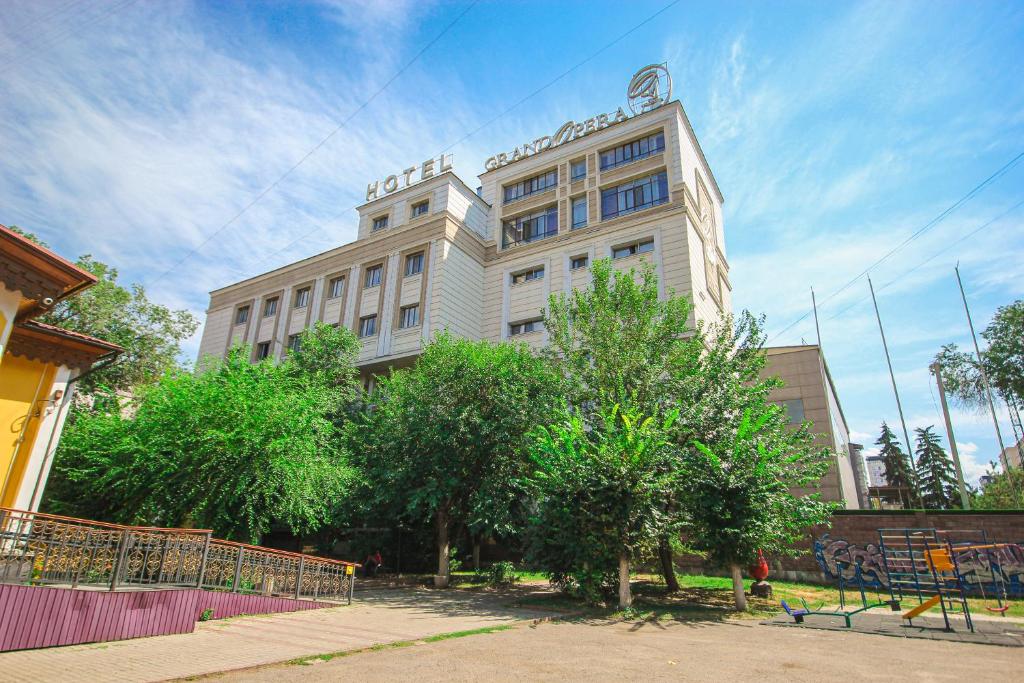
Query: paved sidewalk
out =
(382, 616)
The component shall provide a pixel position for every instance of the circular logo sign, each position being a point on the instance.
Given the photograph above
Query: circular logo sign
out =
(650, 88)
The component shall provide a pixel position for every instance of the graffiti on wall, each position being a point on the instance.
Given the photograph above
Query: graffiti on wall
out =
(981, 570)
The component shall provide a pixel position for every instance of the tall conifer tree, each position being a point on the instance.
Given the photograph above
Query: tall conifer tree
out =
(898, 472)
(935, 471)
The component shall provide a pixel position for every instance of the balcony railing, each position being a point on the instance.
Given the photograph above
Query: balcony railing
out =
(45, 549)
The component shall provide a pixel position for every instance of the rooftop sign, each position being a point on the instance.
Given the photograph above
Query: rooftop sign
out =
(428, 169)
(649, 88)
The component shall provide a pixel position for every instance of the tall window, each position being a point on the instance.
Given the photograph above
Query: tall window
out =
(380, 222)
(241, 315)
(336, 288)
(633, 151)
(295, 343)
(414, 264)
(368, 326)
(638, 194)
(531, 226)
(373, 275)
(527, 275)
(409, 316)
(579, 212)
(639, 247)
(302, 298)
(578, 169)
(270, 307)
(420, 209)
(262, 350)
(525, 188)
(525, 327)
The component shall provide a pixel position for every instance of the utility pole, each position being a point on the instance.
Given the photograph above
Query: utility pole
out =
(896, 392)
(964, 499)
(984, 375)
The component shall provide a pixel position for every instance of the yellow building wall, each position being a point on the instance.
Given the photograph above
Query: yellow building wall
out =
(23, 383)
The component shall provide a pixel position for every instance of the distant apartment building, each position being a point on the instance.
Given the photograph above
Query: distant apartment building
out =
(434, 254)
(875, 466)
(810, 395)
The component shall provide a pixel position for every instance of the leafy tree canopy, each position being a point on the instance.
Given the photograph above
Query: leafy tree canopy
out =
(231, 448)
(445, 440)
(1003, 491)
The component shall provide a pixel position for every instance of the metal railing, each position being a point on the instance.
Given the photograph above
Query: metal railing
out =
(44, 549)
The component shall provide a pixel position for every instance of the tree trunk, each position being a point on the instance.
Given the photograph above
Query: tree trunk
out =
(476, 553)
(625, 597)
(668, 569)
(737, 587)
(443, 571)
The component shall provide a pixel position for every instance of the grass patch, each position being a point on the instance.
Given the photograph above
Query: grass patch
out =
(328, 656)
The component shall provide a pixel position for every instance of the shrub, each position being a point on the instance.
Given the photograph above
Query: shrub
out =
(501, 574)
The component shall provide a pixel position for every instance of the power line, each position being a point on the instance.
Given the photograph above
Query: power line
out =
(920, 231)
(932, 257)
(48, 42)
(267, 190)
(504, 112)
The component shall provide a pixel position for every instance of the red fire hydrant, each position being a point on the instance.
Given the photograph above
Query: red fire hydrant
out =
(759, 572)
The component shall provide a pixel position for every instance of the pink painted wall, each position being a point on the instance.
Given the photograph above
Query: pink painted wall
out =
(43, 616)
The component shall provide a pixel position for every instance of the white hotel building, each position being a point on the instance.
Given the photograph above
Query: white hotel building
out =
(433, 254)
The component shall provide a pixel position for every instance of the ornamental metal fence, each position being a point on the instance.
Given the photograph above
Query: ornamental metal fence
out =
(42, 549)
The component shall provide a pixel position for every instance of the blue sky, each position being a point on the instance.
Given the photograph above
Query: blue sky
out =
(136, 130)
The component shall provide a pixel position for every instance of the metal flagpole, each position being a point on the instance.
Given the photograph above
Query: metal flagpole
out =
(964, 498)
(896, 392)
(984, 375)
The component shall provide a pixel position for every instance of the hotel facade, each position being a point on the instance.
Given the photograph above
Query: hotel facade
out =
(433, 254)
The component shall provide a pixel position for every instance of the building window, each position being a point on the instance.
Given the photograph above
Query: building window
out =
(336, 288)
(241, 315)
(380, 222)
(420, 209)
(270, 307)
(579, 169)
(526, 327)
(302, 298)
(368, 326)
(373, 274)
(409, 316)
(294, 343)
(641, 247)
(638, 194)
(527, 275)
(579, 212)
(414, 264)
(530, 227)
(794, 410)
(633, 151)
(578, 262)
(262, 350)
(530, 186)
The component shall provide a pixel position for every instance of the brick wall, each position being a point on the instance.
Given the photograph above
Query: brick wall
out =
(861, 527)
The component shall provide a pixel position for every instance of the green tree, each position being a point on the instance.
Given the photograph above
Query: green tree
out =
(232, 448)
(446, 440)
(898, 472)
(1003, 491)
(740, 491)
(150, 334)
(599, 493)
(1003, 362)
(936, 475)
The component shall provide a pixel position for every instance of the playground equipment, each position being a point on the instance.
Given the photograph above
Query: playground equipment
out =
(926, 564)
(847, 615)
